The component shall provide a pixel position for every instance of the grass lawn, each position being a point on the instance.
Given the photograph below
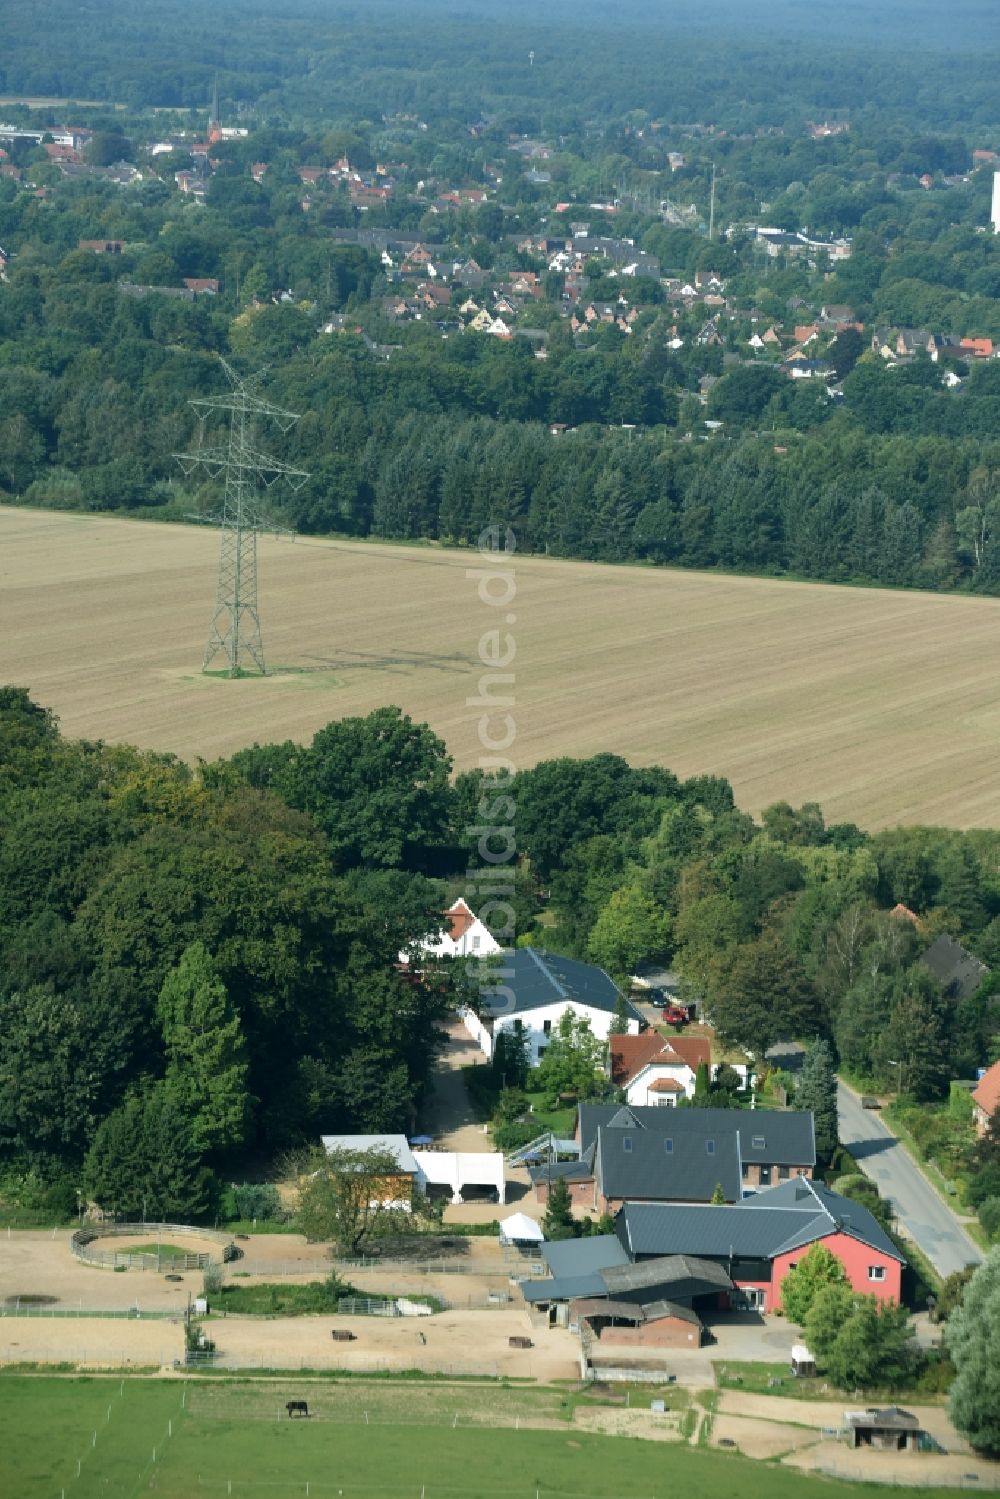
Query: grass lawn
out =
(362, 1441)
(267, 1300)
(278, 1300)
(753, 1379)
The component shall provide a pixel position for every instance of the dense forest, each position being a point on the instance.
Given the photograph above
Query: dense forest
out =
(894, 482)
(198, 968)
(741, 64)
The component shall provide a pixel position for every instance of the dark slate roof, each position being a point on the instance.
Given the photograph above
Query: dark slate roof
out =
(536, 979)
(685, 1275)
(889, 1417)
(781, 1219)
(566, 1257)
(563, 1288)
(648, 1165)
(956, 970)
(770, 1136)
(581, 1170)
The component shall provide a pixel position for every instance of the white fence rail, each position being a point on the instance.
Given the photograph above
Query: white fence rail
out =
(501, 1269)
(118, 1314)
(83, 1239)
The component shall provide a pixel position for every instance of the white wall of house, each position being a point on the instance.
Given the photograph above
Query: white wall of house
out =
(641, 1093)
(477, 941)
(478, 1031)
(541, 1024)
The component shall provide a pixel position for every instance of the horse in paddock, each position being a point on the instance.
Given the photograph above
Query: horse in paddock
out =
(297, 1408)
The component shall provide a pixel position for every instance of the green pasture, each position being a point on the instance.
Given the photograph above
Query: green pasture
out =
(84, 1437)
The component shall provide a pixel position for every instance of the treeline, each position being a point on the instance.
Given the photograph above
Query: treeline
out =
(780, 929)
(448, 436)
(447, 62)
(190, 971)
(198, 965)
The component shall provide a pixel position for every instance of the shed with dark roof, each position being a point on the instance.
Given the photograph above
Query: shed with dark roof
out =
(956, 969)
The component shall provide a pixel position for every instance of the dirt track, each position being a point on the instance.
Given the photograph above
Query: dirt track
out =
(451, 1342)
(89, 1340)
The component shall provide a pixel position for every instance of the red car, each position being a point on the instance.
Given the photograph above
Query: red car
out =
(674, 1015)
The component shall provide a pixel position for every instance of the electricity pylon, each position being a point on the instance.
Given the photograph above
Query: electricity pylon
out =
(235, 630)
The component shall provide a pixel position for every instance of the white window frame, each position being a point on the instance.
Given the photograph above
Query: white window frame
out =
(876, 1272)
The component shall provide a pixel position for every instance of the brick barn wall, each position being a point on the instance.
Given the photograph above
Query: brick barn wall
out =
(855, 1258)
(667, 1332)
(752, 1173)
(581, 1193)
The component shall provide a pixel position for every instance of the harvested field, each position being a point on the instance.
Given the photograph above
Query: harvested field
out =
(881, 706)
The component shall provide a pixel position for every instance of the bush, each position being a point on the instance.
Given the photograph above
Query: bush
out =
(989, 1216)
(252, 1200)
(60, 1199)
(937, 1373)
(985, 1183)
(513, 1136)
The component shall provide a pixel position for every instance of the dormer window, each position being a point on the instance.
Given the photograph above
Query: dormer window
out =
(759, 1143)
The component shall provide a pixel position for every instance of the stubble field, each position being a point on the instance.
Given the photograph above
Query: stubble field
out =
(884, 707)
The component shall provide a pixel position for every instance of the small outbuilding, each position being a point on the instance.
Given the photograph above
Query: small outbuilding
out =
(888, 1428)
(521, 1231)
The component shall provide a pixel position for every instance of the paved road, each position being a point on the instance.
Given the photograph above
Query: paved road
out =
(928, 1221)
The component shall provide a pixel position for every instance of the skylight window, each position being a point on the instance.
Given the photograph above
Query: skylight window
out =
(710, 1146)
(627, 1144)
(759, 1142)
(668, 1146)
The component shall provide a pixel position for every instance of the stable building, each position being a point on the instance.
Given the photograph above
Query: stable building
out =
(759, 1240)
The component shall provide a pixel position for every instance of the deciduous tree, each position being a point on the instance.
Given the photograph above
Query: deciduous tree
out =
(345, 1196)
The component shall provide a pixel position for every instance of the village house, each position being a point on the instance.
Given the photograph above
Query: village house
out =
(774, 1145)
(644, 1153)
(463, 936)
(986, 1098)
(530, 991)
(956, 969)
(656, 1071)
(620, 1165)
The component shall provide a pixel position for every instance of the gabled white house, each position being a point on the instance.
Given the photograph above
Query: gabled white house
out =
(656, 1071)
(463, 936)
(529, 991)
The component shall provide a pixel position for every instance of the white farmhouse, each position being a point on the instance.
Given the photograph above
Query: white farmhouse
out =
(530, 991)
(657, 1072)
(463, 936)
